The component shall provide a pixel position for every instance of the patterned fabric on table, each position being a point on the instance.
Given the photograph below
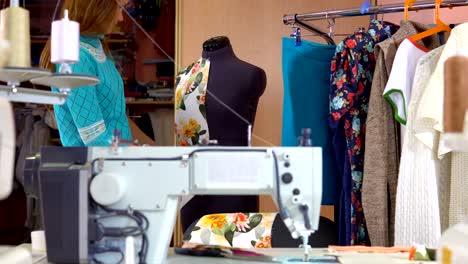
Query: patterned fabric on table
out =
(240, 230)
(351, 79)
(191, 126)
(92, 113)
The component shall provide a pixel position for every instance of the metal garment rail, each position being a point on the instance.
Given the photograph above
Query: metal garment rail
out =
(373, 10)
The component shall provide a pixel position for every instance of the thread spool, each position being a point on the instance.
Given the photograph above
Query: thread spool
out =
(38, 241)
(129, 250)
(14, 27)
(65, 37)
(17, 255)
(455, 91)
(4, 52)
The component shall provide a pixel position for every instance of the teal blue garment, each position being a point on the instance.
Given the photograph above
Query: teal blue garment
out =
(92, 113)
(306, 77)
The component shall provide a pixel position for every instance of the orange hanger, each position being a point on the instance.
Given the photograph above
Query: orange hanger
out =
(408, 4)
(440, 26)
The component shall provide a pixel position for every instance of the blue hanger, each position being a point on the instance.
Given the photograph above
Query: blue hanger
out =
(365, 8)
(297, 35)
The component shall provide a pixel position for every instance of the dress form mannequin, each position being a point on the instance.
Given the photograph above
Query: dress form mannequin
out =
(239, 85)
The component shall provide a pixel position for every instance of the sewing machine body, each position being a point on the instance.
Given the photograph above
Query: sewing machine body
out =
(153, 180)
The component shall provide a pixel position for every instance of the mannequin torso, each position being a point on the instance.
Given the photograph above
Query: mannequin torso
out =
(237, 84)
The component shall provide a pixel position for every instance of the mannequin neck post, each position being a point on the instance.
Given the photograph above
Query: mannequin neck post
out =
(216, 43)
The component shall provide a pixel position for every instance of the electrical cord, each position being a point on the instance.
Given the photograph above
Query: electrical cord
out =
(142, 226)
(137, 218)
(122, 232)
(130, 231)
(99, 251)
(56, 10)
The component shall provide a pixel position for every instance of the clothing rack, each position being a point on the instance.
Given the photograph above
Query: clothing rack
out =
(373, 10)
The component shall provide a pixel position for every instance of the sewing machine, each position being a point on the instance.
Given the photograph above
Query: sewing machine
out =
(95, 198)
(80, 188)
(100, 204)
(149, 182)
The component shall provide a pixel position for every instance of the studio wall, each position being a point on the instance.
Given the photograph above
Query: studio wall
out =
(255, 29)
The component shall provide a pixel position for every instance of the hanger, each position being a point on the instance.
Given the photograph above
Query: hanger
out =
(365, 8)
(320, 33)
(296, 35)
(408, 5)
(330, 26)
(440, 26)
(381, 20)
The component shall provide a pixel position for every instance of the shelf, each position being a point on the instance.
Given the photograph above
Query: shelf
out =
(38, 41)
(55, 141)
(156, 61)
(109, 41)
(27, 95)
(44, 39)
(150, 103)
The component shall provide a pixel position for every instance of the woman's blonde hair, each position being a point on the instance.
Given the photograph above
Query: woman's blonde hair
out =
(95, 18)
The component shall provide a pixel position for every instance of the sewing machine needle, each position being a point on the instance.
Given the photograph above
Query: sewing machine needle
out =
(305, 242)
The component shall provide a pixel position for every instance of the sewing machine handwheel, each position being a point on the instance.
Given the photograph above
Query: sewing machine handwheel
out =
(107, 188)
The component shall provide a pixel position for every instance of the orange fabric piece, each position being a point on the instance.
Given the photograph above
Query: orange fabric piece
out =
(370, 249)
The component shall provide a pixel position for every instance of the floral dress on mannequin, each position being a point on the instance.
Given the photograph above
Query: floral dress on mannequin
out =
(191, 126)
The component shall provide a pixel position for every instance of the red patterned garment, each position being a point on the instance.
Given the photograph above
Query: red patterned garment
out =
(351, 80)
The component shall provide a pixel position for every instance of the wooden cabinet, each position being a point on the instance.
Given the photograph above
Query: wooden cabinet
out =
(140, 62)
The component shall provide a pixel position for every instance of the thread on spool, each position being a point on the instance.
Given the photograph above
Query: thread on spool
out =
(14, 3)
(38, 241)
(455, 92)
(4, 51)
(129, 250)
(14, 27)
(65, 38)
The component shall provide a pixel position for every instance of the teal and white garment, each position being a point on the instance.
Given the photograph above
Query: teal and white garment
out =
(398, 89)
(92, 113)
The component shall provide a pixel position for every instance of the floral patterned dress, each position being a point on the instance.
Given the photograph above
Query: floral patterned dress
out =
(351, 79)
(239, 230)
(191, 126)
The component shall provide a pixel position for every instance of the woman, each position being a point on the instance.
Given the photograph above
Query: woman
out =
(92, 113)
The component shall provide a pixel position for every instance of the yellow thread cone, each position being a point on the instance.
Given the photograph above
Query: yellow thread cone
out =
(14, 27)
